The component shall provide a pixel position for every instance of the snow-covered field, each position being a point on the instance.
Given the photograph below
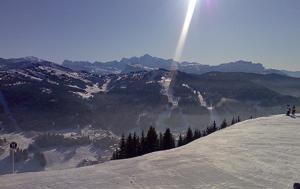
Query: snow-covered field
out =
(59, 157)
(259, 153)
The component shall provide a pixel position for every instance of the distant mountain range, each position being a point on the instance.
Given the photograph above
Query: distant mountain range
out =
(148, 62)
(41, 95)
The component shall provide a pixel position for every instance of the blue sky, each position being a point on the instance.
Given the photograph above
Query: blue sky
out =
(265, 31)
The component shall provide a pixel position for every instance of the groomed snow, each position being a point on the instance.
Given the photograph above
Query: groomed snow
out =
(259, 153)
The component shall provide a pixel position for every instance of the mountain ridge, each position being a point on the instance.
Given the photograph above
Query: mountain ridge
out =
(35, 90)
(148, 62)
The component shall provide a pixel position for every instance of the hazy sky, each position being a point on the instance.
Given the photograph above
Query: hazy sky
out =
(265, 31)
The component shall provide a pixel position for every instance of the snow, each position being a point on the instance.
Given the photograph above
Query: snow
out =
(52, 82)
(165, 83)
(59, 157)
(74, 86)
(150, 82)
(259, 153)
(105, 85)
(143, 114)
(58, 72)
(16, 83)
(200, 97)
(70, 157)
(47, 91)
(89, 91)
(26, 75)
(22, 141)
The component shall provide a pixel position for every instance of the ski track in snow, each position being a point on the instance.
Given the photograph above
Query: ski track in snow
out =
(165, 83)
(200, 97)
(259, 153)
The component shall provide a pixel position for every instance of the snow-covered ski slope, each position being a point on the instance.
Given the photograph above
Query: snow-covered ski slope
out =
(258, 153)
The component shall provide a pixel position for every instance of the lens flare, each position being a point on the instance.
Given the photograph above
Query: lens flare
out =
(180, 45)
(182, 38)
(185, 30)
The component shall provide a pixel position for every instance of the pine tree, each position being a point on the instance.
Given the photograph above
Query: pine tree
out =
(224, 124)
(168, 140)
(180, 141)
(161, 141)
(214, 126)
(143, 144)
(238, 119)
(233, 121)
(122, 150)
(136, 144)
(211, 129)
(197, 134)
(115, 155)
(139, 146)
(152, 140)
(188, 136)
(173, 142)
(129, 146)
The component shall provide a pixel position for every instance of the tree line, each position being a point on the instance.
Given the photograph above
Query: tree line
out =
(134, 145)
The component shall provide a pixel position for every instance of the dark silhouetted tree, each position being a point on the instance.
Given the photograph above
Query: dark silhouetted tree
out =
(188, 136)
(136, 144)
(152, 140)
(168, 140)
(161, 141)
(180, 141)
(233, 121)
(130, 148)
(143, 144)
(211, 129)
(223, 124)
(115, 155)
(122, 151)
(197, 134)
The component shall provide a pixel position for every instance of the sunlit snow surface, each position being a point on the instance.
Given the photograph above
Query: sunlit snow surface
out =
(260, 153)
